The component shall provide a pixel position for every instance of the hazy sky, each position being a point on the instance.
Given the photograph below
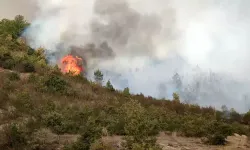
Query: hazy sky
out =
(11, 8)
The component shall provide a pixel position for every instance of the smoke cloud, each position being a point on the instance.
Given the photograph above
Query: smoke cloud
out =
(198, 48)
(11, 8)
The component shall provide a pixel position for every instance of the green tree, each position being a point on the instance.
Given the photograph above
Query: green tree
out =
(235, 116)
(139, 127)
(98, 76)
(126, 91)
(13, 27)
(246, 118)
(176, 97)
(89, 134)
(110, 86)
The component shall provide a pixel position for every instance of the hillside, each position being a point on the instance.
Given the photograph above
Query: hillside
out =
(42, 108)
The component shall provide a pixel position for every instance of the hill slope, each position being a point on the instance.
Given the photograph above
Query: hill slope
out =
(41, 108)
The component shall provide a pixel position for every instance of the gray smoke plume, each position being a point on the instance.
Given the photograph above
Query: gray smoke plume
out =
(154, 46)
(11, 8)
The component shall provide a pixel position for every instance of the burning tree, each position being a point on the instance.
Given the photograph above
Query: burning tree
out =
(72, 64)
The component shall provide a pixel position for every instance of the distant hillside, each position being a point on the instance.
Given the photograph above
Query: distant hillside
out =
(42, 109)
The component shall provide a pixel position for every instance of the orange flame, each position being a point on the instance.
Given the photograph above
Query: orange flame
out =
(70, 64)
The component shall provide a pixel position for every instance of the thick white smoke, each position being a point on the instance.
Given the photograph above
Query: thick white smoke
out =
(154, 39)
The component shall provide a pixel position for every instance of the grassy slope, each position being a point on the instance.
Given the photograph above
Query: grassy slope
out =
(38, 97)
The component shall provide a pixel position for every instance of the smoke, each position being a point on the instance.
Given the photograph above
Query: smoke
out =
(151, 41)
(10, 8)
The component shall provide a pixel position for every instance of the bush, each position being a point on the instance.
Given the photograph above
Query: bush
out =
(194, 126)
(139, 128)
(13, 138)
(126, 91)
(28, 67)
(56, 84)
(32, 78)
(8, 64)
(23, 102)
(54, 121)
(30, 51)
(217, 139)
(246, 118)
(43, 139)
(217, 132)
(240, 129)
(89, 134)
(14, 76)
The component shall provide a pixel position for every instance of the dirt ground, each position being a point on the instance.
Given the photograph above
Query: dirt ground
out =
(174, 142)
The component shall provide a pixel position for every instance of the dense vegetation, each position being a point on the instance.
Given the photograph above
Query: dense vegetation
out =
(37, 100)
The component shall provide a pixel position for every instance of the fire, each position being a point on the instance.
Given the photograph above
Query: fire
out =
(70, 64)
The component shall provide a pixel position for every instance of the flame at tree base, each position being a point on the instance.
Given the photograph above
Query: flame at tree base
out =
(71, 64)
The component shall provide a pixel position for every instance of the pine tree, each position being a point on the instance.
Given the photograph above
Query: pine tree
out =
(98, 76)
(110, 86)
(126, 91)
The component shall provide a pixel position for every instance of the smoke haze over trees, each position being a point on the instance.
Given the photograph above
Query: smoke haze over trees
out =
(151, 42)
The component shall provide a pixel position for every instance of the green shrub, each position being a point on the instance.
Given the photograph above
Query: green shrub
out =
(4, 54)
(54, 121)
(240, 129)
(225, 129)
(13, 138)
(8, 85)
(194, 127)
(56, 84)
(28, 67)
(246, 118)
(215, 127)
(43, 139)
(30, 51)
(217, 139)
(139, 127)
(218, 131)
(13, 76)
(32, 78)
(23, 102)
(89, 134)
(126, 91)
(8, 64)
